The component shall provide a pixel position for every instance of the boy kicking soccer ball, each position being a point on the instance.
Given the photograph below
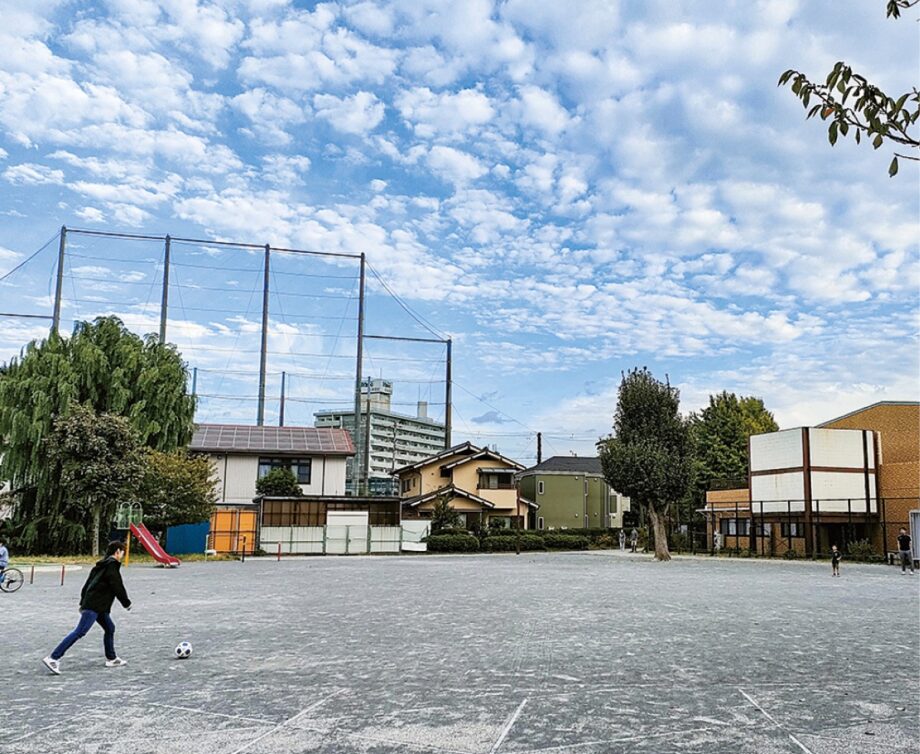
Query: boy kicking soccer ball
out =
(102, 587)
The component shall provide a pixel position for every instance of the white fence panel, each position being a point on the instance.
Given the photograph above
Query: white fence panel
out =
(385, 538)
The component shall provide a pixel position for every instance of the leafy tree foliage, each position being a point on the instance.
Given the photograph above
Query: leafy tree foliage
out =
(100, 465)
(102, 366)
(719, 440)
(177, 488)
(647, 457)
(871, 113)
(279, 483)
(443, 516)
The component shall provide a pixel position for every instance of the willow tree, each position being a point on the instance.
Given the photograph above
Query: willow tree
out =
(648, 455)
(102, 366)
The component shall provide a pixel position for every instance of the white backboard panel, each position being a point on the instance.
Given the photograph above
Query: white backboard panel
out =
(832, 489)
(776, 450)
(842, 448)
(779, 488)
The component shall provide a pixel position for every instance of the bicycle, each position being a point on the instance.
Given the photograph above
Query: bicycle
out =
(12, 580)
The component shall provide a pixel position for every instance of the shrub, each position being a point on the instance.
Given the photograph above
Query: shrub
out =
(452, 543)
(679, 541)
(509, 543)
(279, 482)
(556, 541)
(863, 551)
(790, 555)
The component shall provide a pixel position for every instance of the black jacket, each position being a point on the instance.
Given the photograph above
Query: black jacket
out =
(102, 587)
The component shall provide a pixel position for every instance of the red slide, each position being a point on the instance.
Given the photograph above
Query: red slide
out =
(153, 547)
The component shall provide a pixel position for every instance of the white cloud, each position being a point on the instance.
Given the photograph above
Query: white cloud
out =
(454, 165)
(431, 114)
(285, 170)
(357, 114)
(541, 110)
(30, 174)
(90, 214)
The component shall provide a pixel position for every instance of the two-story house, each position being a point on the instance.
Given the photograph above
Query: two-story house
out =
(572, 494)
(241, 455)
(477, 482)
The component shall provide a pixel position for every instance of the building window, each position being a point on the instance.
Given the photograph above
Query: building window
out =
(490, 479)
(293, 513)
(404, 486)
(541, 488)
(792, 529)
(540, 522)
(735, 527)
(299, 467)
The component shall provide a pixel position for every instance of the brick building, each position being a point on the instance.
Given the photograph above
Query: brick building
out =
(852, 478)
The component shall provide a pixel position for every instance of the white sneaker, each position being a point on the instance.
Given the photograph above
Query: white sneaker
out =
(116, 663)
(53, 665)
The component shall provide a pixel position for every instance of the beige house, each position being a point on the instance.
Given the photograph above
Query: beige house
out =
(241, 455)
(478, 483)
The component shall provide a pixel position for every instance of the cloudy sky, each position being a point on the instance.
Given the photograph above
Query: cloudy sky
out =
(568, 190)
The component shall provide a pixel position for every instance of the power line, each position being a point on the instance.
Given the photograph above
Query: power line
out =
(31, 256)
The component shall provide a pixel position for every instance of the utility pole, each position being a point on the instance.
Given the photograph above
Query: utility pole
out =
(539, 448)
(281, 411)
(356, 464)
(59, 287)
(447, 396)
(164, 301)
(367, 441)
(263, 351)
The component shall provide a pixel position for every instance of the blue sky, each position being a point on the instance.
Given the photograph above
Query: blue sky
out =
(567, 190)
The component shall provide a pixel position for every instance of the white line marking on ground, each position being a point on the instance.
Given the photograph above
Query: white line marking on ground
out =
(34, 732)
(280, 725)
(261, 720)
(508, 725)
(623, 739)
(767, 715)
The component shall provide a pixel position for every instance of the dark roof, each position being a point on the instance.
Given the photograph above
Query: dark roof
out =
(464, 447)
(236, 438)
(570, 464)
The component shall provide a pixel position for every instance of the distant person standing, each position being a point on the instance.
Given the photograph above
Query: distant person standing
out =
(717, 541)
(633, 539)
(622, 540)
(835, 561)
(907, 557)
(103, 586)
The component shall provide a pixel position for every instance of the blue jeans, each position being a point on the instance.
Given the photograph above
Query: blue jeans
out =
(87, 618)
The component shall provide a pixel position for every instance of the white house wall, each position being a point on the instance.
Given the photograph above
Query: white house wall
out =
(237, 476)
(776, 450)
(780, 488)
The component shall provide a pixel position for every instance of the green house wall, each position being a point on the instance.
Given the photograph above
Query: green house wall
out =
(566, 501)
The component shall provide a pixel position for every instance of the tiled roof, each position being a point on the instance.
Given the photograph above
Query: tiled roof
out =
(571, 464)
(236, 438)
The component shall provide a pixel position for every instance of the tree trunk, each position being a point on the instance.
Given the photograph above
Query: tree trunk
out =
(96, 532)
(659, 520)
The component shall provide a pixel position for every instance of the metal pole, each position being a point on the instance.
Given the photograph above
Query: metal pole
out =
(789, 523)
(164, 301)
(263, 352)
(281, 410)
(539, 448)
(194, 381)
(447, 395)
(59, 287)
(356, 465)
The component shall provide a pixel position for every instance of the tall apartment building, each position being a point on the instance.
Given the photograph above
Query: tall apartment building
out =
(395, 440)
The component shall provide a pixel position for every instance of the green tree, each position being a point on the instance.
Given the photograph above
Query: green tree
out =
(100, 463)
(871, 113)
(102, 366)
(443, 516)
(279, 483)
(177, 488)
(719, 440)
(647, 457)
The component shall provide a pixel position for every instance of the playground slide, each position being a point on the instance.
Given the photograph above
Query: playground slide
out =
(152, 546)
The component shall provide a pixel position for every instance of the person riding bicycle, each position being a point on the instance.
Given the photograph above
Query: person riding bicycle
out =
(4, 559)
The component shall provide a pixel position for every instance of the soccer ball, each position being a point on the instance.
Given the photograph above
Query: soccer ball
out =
(184, 650)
